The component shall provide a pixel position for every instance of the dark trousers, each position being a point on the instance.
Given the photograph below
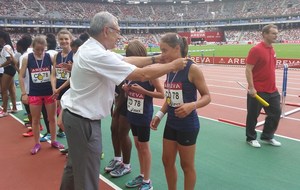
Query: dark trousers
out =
(273, 113)
(85, 146)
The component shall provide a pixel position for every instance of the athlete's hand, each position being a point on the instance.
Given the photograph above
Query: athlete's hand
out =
(24, 99)
(67, 66)
(55, 94)
(154, 123)
(126, 87)
(137, 88)
(179, 64)
(184, 110)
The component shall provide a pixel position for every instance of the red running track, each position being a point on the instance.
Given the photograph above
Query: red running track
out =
(21, 170)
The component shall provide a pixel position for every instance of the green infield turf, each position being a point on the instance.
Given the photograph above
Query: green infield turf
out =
(282, 50)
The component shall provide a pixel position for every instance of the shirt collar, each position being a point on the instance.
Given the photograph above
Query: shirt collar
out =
(265, 45)
(97, 42)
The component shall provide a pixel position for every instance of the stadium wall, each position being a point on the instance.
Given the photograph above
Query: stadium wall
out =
(292, 63)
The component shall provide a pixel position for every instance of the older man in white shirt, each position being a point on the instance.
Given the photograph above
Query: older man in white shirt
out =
(95, 73)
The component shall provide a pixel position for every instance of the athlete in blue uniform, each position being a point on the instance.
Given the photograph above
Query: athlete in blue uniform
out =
(60, 76)
(182, 126)
(39, 65)
(140, 111)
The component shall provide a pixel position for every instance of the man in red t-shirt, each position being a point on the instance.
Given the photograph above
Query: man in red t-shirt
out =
(260, 74)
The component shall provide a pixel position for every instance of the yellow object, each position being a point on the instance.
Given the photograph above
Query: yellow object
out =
(262, 101)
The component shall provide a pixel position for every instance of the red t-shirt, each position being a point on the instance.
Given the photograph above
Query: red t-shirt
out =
(263, 58)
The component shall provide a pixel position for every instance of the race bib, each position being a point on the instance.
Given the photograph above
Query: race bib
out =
(62, 74)
(173, 94)
(135, 102)
(40, 75)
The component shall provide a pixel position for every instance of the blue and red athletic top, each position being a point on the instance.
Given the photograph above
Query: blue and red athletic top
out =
(181, 90)
(39, 75)
(62, 76)
(140, 107)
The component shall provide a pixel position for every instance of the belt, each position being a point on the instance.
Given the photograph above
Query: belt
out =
(78, 116)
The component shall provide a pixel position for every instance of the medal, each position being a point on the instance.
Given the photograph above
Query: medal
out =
(168, 100)
(63, 75)
(40, 76)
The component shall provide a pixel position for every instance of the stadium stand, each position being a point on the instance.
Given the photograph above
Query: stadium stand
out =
(152, 12)
(240, 20)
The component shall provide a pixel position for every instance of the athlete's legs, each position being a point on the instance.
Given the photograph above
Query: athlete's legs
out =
(169, 158)
(35, 110)
(5, 84)
(125, 141)
(187, 161)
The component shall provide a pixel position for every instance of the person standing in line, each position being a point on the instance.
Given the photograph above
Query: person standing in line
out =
(22, 47)
(140, 112)
(120, 127)
(95, 73)
(60, 76)
(39, 65)
(182, 125)
(75, 44)
(7, 79)
(51, 50)
(260, 75)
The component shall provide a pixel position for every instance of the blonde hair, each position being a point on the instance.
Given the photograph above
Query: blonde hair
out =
(65, 31)
(39, 40)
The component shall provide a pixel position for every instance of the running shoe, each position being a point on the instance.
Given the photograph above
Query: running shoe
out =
(12, 111)
(56, 144)
(64, 151)
(30, 128)
(254, 143)
(61, 134)
(112, 165)
(135, 182)
(35, 149)
(3, 114)
(120, 171)
(27, 124)
(146, 186)
(26, 119)
(272, 142)
(45, 137)
(29, 133)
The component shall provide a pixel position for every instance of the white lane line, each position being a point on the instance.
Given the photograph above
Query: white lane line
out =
(111, 184)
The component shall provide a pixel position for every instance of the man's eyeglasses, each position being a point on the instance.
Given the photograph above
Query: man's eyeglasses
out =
(116, 30)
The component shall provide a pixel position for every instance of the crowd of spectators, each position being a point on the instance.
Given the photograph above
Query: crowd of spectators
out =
(255, 35)
(57, 9)
(231, 36)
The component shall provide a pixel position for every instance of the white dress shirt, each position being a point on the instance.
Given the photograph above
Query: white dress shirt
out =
(95, 73)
